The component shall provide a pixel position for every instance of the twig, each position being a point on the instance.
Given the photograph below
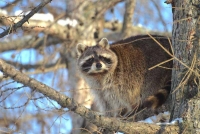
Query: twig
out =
(173, 56)
(25, 19)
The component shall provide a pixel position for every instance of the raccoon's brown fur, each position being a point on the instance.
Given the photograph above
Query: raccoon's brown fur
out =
(118, 74)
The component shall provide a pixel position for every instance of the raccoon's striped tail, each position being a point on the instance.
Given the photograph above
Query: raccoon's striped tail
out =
(159, 98)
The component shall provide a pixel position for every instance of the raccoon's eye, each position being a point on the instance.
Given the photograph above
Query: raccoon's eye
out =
(87, 65)
(90, 60)
(104, 59)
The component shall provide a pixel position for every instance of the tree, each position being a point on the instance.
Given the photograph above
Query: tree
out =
(185, 78)
(50, 44)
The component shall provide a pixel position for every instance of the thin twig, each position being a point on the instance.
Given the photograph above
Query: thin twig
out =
(25, 19)
(173, 55)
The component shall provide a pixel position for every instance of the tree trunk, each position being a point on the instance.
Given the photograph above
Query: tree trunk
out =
(185, 83)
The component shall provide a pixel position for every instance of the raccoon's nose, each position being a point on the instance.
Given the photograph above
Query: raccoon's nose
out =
(98, 65)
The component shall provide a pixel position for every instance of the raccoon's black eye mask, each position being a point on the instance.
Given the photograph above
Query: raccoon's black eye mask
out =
(105, 60)
(87, 65)
(90, 60)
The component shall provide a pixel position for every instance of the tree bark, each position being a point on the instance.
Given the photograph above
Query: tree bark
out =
(185, 81)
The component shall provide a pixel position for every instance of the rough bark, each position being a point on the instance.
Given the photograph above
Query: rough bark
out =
(186, 43)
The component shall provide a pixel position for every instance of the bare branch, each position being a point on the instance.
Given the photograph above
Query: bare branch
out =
(106, 4)
(25, 19)
(38, 26)
(159, 14)
(99, 120)
(37, 65)
(135, 30)
(128, 18)
(10, 4)
(27, 42)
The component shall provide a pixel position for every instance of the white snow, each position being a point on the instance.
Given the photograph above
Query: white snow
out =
(139, 25)
(37, 16)
(19, 12)
(166, 115)
(4, 12)
(175, 121)
(48, 17)
(157, 118)
(67, 21)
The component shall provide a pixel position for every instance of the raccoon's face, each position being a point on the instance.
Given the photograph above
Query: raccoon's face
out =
(97, 59)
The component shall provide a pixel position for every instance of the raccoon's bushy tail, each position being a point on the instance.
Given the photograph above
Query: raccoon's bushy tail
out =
(159, 98)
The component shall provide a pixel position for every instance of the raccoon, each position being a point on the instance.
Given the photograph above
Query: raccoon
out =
(119, 75)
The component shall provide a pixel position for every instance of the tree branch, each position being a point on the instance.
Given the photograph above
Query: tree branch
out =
(94, 117)
(106, 4)
(51, 28)
(11, 4)
(25, 19)
(36, 66)
(27, 42)
(128, 18)
(160, 15)
(116, 27)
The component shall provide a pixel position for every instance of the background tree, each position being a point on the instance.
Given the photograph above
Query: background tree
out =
(42, 47)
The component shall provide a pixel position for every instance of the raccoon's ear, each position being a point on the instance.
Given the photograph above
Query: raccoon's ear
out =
(80, 48)
(104, 43)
